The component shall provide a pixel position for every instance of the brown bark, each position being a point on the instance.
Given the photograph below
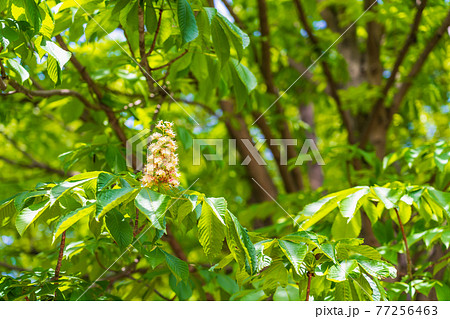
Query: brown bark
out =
(266, 70)
(345, 114)
(315, 173)
(288, 181)
(374, 36)
(381, 117)
(256, 171)
(60, 256)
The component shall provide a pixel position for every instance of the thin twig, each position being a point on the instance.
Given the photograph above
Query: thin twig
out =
(61, 254)
(170, 62)
(308, 288)
(158, 27)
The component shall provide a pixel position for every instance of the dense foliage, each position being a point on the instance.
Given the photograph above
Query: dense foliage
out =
(85, 83)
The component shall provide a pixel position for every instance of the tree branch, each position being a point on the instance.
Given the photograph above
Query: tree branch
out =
(266, 70)
(145, 68)
(13, 267)
(48, 93)
(398, 98)
(158, 27)
(113, 121)
(61, 254)
(34, 163)
(170, 62)
(345, 114)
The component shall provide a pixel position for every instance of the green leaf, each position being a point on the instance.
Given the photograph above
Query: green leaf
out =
(48, 24)
(245, 75)
(119, 228)
(19, 69)
(61, 56)
(178, 267)
(364, 250)
(349, 205)
(342, 291)
(378, 268)
(442, 198)
(59, 190)
(323, 207)
(340, 272)
(68, 220)
(276, 275)
(27, 216)
(105, 180)
(218, 205)
(295, 252)
(53, 70)
(186, 21)
(245, 40)
(389, 196)
(220, 41)
(153, 205)
(155, 257)
(111, 198)
(211, 231)
(7, 211)
(346, 228)
(240, 245)
(150, 16)
(32, 13)
(115, 160)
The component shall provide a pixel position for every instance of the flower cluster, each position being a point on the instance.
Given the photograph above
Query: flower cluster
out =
(162, 158)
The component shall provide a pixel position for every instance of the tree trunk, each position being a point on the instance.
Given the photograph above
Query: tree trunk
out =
(256, 171)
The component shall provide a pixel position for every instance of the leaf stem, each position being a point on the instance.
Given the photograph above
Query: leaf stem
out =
(408, 256)
(308, 288)
(61, 254)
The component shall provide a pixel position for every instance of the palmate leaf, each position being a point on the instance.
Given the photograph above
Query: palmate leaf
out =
(295, 252)
(70, 219)
(111, 198)
(186, 21)
(153, 205)
(119, 228)
(211, 229)
(76, 181)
